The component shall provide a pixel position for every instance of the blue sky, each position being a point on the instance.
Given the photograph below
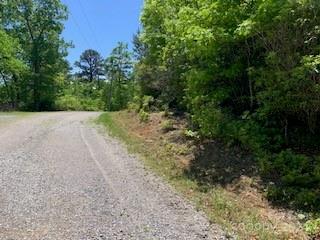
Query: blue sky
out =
(100, 24)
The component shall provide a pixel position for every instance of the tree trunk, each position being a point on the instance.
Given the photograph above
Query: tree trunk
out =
(36, 80)
(251, 93)
(17, 90)
(110, 95)
(36, 92)
(9, 91)
(249, 77)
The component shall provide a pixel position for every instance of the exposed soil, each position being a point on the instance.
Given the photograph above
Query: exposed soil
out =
(212, 163)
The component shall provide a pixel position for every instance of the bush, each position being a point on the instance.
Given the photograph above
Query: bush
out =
(68, 103)
(167, 126)
(141, 103)
(73, 103)
(298, 179)
(191, 134)
(239, 85)
(91, 104)
(144, 116)
(146, 103)
(133, 107)
(135, 104)
(312, 227)
(80, 96)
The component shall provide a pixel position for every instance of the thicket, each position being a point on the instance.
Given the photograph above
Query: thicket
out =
(247, 71)
(80, 96)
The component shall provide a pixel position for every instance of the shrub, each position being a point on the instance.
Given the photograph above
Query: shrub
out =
(138, 103)
(134, 107)
(298, 179)
(91, 104)
(68, 103)
(135, 104)
(167, 126)
(191, 134)
(312, 227)
(239, 85)
(144, 116)
(147, 102)
(73, 103)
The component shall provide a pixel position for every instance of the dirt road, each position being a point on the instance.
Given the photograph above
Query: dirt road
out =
(61, 179)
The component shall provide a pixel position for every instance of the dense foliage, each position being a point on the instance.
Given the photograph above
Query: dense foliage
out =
(100, 84)
(77, 95)
(11, 68)
(34, 74)
(35, 27)
(248, 72)
(119, 88)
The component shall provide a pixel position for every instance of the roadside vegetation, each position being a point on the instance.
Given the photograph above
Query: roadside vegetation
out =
(246, 74)
(242, 77)
(237, 204)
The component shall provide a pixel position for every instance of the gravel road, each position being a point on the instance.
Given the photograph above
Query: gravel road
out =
(61, 179)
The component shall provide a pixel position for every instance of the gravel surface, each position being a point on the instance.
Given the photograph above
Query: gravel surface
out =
(60, 179)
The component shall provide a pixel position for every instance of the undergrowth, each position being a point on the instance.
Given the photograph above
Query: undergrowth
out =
(222, 206)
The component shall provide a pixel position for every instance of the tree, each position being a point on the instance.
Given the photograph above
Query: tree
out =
(248, 72)
(165, 60)
(38, 25)
(10, 68)
(139, 47)
(147, 73)
(91, 65)
(118, 68)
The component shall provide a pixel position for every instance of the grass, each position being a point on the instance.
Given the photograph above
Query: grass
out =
(230, 210)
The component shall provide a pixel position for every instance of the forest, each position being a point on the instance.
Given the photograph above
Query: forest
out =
(35, 75)
(246, 72)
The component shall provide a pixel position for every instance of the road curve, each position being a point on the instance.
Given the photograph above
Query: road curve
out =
(61, 179)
